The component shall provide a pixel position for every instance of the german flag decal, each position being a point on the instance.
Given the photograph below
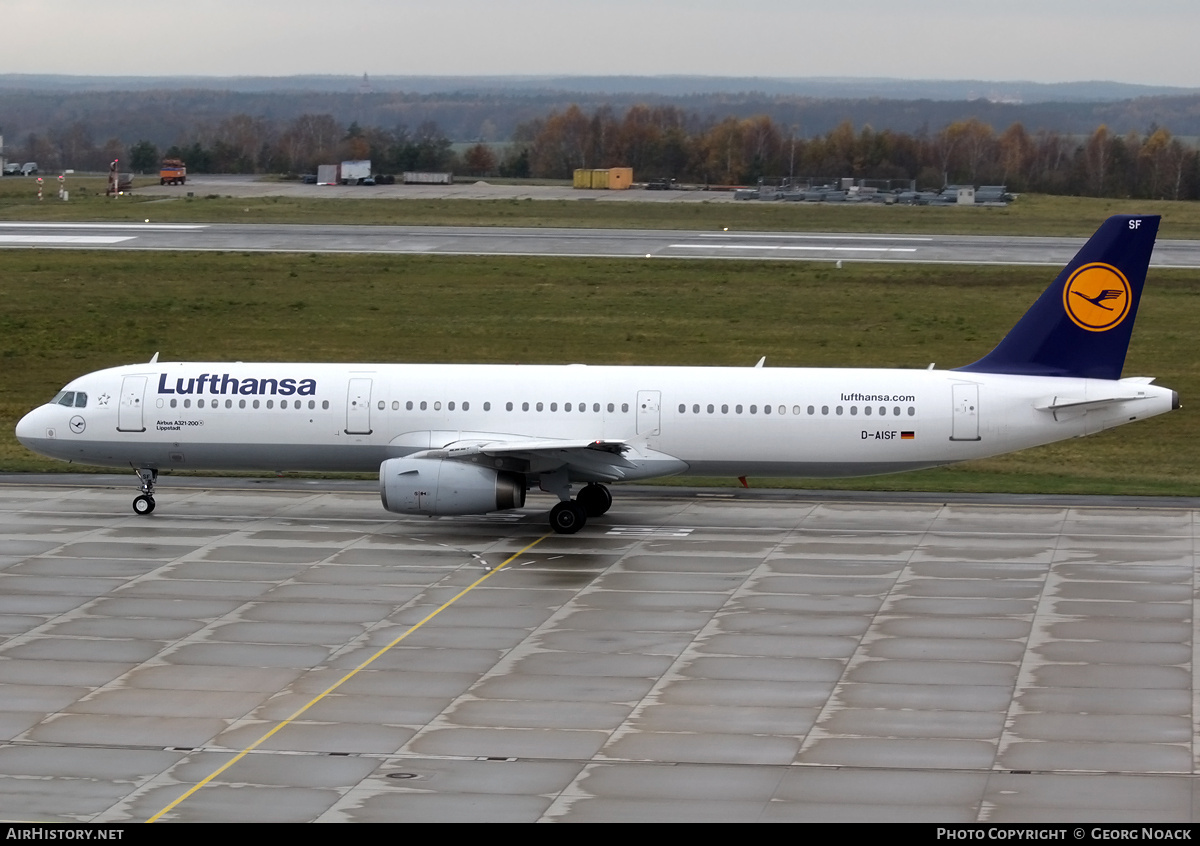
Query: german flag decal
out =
(908, 436)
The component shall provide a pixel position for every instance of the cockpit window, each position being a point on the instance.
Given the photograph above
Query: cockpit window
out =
(71, 399)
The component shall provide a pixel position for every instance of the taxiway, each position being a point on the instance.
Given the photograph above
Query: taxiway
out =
(694, 655)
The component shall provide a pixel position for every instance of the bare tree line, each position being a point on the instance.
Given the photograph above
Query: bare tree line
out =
(664, 142)
(667, 142)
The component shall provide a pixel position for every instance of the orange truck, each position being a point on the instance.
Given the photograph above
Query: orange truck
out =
(173, 172)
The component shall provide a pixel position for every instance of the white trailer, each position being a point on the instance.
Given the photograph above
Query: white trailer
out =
(356, 171)
(412, 177)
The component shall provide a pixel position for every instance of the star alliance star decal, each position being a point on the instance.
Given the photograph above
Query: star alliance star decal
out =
(102, 400)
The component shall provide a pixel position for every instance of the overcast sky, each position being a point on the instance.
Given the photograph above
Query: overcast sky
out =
(1151, 42)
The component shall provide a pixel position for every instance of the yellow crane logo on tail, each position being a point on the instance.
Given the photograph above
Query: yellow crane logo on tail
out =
(1097, 297)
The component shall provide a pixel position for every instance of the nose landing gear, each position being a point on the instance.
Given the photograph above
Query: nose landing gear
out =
(147, 476)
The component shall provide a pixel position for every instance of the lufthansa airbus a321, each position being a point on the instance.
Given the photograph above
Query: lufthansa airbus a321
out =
(471, 439)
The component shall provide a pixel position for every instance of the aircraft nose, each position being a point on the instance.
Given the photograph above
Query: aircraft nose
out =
(27, 428)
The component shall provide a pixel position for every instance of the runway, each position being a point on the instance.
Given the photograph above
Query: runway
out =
(693, 655)
(609, 243)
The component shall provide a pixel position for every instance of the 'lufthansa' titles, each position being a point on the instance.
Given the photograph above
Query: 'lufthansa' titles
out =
(212, 383)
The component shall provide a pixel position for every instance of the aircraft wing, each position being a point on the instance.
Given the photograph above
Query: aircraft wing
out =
(586, 460)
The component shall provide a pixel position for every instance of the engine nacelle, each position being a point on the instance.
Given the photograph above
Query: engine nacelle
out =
(438, 487)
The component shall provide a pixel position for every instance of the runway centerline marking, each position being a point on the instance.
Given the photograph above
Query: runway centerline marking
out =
(785, 247)
(149, 226)
(821, 237)
(382, 650)
(64, 239)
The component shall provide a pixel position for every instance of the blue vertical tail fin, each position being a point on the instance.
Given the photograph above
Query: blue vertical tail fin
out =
(1081, 324)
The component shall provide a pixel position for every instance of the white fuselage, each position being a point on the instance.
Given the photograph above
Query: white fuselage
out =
(689, 420)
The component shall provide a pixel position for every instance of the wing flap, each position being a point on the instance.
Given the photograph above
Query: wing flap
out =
(594, 460)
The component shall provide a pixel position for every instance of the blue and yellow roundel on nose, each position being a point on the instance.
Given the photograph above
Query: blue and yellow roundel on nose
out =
(1097, 297)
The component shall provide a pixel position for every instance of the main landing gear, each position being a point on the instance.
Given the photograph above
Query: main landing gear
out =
(147, 476)
(569, 516)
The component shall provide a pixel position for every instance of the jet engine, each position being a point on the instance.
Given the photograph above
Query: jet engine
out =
(439, 487)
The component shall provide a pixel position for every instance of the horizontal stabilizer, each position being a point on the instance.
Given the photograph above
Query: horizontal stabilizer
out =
(1060, 403)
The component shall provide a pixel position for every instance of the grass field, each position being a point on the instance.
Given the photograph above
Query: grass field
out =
(66, 313)
(1030, 215)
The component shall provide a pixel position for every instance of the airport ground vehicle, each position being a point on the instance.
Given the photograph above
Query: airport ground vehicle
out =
(172, 172)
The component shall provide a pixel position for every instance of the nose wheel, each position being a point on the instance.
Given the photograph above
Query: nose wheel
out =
(144, 504)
